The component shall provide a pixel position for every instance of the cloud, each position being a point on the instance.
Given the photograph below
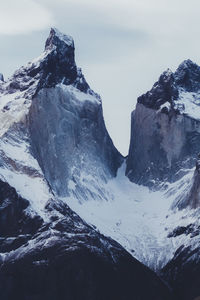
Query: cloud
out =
(23, 16)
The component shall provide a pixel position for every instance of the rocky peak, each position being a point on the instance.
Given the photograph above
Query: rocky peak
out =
(55, 65)
(58, 40)
(187, 76)
(59, 65)
(165, 134)
(162, 91)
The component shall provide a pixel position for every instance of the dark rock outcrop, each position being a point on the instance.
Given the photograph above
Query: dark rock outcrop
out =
(164, 90)
(55, 65)
(183, 273)
(14, 220)
(187, 76)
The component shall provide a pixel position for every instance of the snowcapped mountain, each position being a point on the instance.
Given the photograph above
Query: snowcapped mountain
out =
(54, 147)
(165, 134)
(74, 221)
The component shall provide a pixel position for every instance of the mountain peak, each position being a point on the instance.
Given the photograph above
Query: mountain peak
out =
(162, 91)
(187, 76)
(58, 39)
(54, 66)
(187, 63)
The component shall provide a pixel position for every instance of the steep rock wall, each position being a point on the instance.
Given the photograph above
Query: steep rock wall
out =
(165, 130)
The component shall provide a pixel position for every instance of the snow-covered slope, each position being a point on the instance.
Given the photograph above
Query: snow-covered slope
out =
(140, 219)
(182, 272)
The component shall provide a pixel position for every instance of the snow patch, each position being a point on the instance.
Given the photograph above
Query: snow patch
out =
(78, 95)
(189, 104)
(13, 107)
(139, 219)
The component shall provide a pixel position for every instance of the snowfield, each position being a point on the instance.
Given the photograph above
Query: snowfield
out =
(140, 219)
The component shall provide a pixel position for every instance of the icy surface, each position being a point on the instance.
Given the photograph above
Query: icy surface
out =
(22, 171)
(139, 219)
(13, 107)
(189, 104)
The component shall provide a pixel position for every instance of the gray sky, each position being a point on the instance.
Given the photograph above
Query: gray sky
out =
(121, 45)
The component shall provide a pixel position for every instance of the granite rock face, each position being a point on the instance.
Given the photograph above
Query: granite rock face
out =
(69, 136)
(64, 119)
(165, 130)
(67, 128)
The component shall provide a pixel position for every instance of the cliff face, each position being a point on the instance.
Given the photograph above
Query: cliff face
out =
(63, 119)
(165, 130)
(67, 129)
(68, 136)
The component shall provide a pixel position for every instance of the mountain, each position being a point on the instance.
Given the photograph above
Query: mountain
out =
(163, 155)
(78, 220)
(165, 130)
(65, 120)
(157, 220)
(55, 152)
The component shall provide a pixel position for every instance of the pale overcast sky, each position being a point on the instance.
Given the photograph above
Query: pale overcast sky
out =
(121, 45)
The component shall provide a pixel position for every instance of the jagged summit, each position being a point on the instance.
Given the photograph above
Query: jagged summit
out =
(54, 66)
(166, 127)
(57, 39)
(170, 85)
(187, 76)
(162, 91)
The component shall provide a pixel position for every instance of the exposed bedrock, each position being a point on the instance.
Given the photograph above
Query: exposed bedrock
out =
(165, 133)
(69, 136)
(68, 133)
